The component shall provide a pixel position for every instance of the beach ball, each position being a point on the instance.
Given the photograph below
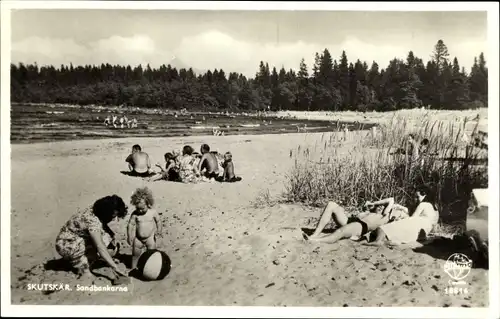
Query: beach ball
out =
(154, 264)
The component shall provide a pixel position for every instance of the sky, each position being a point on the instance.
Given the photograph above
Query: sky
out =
(237, 41)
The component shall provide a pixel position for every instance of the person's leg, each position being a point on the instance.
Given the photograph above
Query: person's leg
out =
(380, 237)
(331, 210)
(344, 232)
(136, 251)
(150, 242)
(79, 260)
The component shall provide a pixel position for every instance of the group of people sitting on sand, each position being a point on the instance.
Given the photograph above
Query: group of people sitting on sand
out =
(185, 167)
(122, 122)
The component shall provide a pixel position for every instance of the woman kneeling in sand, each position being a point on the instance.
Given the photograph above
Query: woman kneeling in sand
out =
(378, 213)
(86, 235)
(414, 228)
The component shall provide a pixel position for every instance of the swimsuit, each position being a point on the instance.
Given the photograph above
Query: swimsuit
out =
(364, 226)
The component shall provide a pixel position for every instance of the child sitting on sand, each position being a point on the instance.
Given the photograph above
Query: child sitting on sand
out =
(171, 171)
(144, 224)
(208, 165)
(228, 166)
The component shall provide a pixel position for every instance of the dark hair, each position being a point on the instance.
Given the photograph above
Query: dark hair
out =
(229, 155)
(105, 208)
(137, 147)
(168, 156)
(205, 147)
(424, 142)
(429, 196)
(187, 150)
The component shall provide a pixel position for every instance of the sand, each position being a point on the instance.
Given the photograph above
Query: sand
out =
(225, 250)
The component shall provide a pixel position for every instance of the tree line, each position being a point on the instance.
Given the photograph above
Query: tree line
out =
(330, 85)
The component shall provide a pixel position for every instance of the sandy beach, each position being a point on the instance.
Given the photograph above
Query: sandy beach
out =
(225, 250)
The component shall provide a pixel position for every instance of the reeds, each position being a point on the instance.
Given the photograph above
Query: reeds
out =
(365, 167)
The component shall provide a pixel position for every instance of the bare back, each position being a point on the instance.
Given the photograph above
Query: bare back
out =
(228, 170)
(139, 161)
(209, 162)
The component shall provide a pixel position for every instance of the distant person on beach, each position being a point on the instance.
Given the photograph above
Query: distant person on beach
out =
(171, 171)
(188, 170)
(86, 236)
(208, 165)
(416, 227)
(107, 120)
(144, 225)
(376, 214)
(134, 123)
(138, 162)
(115, 118)
(228, 166)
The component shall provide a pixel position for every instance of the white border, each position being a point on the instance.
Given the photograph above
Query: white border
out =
(300, 312)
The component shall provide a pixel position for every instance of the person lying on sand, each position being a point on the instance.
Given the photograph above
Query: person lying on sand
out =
(188, 169)
(86, 236)
(208, 165)
(138, 162)
(171, 171)
(144, 224)
(411, 229)
(378, 213)
(228, 166)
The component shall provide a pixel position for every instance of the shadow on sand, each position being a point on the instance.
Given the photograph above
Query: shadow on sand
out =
(443, 248)
(134, 174)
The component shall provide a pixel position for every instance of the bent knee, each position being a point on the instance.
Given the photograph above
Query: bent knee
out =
(333, 204)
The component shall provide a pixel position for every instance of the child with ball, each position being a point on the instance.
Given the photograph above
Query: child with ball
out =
(144, 224)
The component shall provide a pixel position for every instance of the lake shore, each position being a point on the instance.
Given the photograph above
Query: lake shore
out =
(227, 247)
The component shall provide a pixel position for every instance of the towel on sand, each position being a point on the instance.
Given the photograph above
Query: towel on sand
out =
(408, 230)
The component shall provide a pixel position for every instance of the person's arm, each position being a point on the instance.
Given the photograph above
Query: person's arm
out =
(401, 207)
(103, 252)
(160, 167)
(149, 163)
(109, 231)
(388, 202)
(129, 159)
(131, 230)
(158, 223)
(200, 163)
(226, 172)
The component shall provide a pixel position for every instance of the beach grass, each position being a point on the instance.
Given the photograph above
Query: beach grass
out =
(351, 168)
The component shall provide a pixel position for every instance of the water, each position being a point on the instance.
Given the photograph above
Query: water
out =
(33, 124)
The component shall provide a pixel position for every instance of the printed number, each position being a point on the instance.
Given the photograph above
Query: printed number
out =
(456, 291)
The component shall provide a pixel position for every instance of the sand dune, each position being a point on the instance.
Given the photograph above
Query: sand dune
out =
(224, 250)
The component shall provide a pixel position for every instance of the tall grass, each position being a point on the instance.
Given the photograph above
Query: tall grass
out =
(364, 167)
